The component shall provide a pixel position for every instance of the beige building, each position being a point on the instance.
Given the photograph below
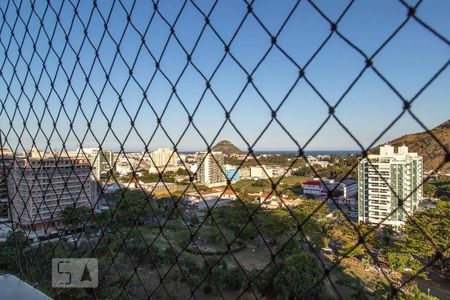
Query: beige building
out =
(41, 187)
(264, 172)
(164, 157)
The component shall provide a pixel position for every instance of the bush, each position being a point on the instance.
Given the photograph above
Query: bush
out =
(233, 278)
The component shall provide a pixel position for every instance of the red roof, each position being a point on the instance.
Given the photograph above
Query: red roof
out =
(309, 182)
(229, 192)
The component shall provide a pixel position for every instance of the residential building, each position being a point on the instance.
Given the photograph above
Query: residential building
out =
(102, 161)
(6, 161)
(164, 157)
(264, 172)
(258, 172)
(389, 186)
(316, 160)
(210, 168)
(244, 173)
(41, 187)
(349, 188)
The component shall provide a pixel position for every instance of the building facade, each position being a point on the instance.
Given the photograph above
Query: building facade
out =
(210, 168)
(232, 174)
(6, 162)
(346, 188)
(102, 161)
(164, 157)
(389, 186)
(40, 188)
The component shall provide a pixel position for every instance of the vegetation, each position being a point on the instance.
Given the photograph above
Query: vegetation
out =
(425, 235)
(75, 217)
(437, 188)
(136, 238)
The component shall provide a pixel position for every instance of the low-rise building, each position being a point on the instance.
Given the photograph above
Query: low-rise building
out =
(244, 173)
(159, 187)
(264, 172)
(346, 188)
(312, 188)
(123, 168)
(232, 174)
(197, 201)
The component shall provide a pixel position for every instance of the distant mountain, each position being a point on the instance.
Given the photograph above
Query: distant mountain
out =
(226, 147)
(424, 144)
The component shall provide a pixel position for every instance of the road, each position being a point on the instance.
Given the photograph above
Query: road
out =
(435, 291)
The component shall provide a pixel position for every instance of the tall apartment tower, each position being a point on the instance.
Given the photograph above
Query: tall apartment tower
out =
(210, 168)
(389, 172)
(164, 157)
(41, 187)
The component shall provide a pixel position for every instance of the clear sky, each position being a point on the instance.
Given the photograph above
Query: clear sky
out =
(407, 62)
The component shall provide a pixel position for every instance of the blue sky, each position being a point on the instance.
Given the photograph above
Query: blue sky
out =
(407, 62)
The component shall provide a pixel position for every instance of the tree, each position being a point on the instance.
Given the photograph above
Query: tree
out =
(132, 206)
(274, 223)
(103, 218)
(311, 214)
(397, 261)
(182, 171)
(427, 232)
(299, 272)
(260, 183)
(429, 189)
(352, 250)
(75, 217)
(14, 245)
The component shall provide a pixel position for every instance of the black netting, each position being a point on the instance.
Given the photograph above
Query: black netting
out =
(89, 91)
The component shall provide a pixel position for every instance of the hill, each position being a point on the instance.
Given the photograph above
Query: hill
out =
(227, 148)
(425, 145)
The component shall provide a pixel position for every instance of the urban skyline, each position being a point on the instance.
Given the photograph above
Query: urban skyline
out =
(233, 149)
(275, 76)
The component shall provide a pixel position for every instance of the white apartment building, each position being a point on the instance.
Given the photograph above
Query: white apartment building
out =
(41, 187)
(102, 161)
(210, 166)
(379, 176)
(164, 157)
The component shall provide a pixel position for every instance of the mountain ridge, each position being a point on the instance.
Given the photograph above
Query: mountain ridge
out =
(425, 145)
(227, 148)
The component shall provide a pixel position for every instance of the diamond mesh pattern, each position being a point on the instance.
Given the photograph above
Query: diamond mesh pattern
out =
(57, 57)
